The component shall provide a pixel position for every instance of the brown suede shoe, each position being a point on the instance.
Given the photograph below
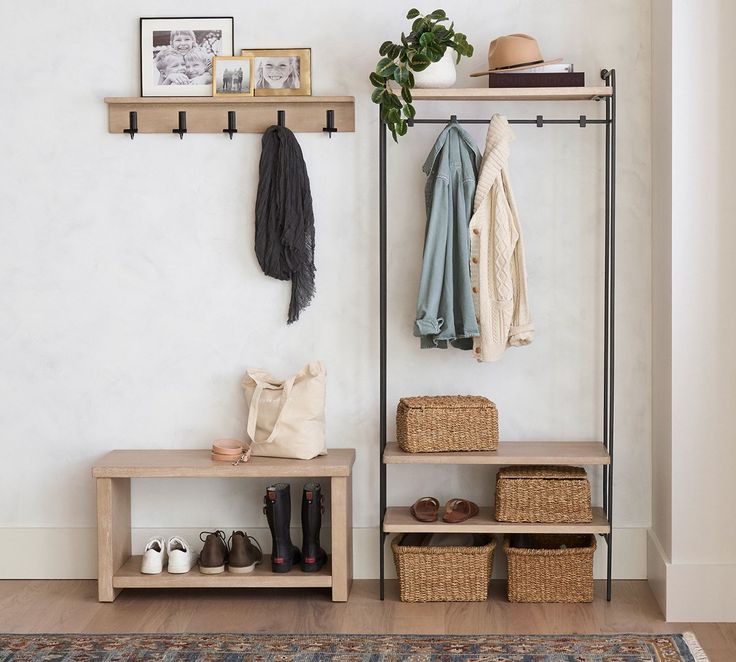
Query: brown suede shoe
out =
(213, 557)
(245, 553)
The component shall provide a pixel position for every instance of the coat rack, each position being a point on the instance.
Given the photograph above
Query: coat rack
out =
(186, 115)
(396, 519)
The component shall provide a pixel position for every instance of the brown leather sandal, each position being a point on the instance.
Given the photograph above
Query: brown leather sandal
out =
(426, 509)
(459, 510)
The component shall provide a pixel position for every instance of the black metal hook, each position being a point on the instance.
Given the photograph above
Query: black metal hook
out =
(540, 121)
(281, 117)
(583, 121)
(133, 124)
(182, 124)
(231, 125)
(330, 128)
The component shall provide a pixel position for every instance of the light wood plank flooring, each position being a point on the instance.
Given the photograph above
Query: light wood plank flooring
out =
(71, 606)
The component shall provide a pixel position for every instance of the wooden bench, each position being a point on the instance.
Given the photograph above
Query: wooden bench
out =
(118, 569)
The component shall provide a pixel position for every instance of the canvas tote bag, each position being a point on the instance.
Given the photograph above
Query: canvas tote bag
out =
(286, 418)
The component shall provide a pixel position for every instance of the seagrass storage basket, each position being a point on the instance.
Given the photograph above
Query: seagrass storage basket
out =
(543, 494)
(550, 568)
(444, 574)
(445, 423)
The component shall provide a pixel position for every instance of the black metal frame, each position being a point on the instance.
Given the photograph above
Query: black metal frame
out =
(609, 77)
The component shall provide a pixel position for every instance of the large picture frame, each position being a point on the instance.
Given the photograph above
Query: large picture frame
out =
(176, 54)
(281, 71)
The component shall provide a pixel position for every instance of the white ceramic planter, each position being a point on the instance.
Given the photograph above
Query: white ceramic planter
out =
(438, 74)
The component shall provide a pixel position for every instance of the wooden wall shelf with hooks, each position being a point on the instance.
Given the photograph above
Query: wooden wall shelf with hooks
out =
(210, 114)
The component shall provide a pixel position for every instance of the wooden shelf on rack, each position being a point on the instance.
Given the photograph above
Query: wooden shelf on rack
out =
(209, 114)
(130, 576)
(512, 94)
(585, 453)
(398, 519)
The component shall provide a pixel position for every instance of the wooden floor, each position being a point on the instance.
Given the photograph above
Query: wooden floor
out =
(71, 606)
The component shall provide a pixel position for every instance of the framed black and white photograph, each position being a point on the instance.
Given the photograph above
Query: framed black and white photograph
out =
(281, 71)
(232, 76)
(176, 54)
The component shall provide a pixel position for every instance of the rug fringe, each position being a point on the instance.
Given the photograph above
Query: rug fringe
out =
(695, 648)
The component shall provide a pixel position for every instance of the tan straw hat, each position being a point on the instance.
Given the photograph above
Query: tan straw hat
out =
(514, 52)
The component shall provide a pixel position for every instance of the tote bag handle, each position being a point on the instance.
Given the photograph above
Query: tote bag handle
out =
(253, 411)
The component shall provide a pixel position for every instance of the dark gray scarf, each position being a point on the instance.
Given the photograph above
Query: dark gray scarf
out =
(284, 217)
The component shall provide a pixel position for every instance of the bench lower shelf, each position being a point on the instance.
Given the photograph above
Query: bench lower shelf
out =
(130, 576)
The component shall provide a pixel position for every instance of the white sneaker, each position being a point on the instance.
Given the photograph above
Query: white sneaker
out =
(153, 556)
(181, 556)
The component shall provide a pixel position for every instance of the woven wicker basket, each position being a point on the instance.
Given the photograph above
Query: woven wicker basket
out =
(443, 574)
(542, 572)
(543, 494)
(435, 424)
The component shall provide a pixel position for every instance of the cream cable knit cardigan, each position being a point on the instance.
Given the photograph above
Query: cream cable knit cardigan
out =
(497, 271)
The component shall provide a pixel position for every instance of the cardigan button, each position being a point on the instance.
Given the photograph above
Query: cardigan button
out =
(475, 290)
(476, 231)
(474, 260)
(477, 350)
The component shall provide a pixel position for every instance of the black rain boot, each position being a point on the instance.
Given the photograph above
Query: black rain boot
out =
(278, 512)
(313, 556)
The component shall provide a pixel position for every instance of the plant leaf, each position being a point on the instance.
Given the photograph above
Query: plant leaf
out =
(419, 62)
(394, 51)
(394, 101)
(377, 94)
(438, 13)
(435, 52)
(406, 93)
(385, 68)
(409, 110)
(384, 47)
(401, 128)
(426, 38)
(413, 13)
(376, 80)
(401, 76)
(393, 115)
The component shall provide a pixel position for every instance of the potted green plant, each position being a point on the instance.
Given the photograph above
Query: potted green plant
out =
(425, 44)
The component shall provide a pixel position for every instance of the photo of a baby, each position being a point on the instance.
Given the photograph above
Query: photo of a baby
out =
(179, 54)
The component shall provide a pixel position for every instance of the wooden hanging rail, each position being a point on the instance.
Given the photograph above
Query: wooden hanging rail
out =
(211, 114)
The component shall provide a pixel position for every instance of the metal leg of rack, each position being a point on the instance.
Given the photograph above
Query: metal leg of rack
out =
(382, 267)
(609, 315)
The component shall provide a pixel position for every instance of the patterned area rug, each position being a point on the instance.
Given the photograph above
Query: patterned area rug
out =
(350, 647)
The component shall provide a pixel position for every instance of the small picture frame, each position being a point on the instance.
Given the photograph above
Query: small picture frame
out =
(176, 54)
(281, 71)
(232, 76)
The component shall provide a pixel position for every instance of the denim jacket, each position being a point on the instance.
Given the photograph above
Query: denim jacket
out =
(445, 308)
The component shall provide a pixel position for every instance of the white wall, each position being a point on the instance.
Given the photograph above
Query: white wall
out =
(693, 550)
(132, 301)
(661, 532)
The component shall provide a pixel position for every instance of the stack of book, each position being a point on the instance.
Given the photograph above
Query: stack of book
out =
(545, 75)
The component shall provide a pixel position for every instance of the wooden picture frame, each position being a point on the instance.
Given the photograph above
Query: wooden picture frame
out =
(281, 71)
(224, 86)
(175, 50)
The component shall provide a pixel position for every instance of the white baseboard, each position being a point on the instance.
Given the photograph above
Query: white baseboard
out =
(691, 592)
(71, 553)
